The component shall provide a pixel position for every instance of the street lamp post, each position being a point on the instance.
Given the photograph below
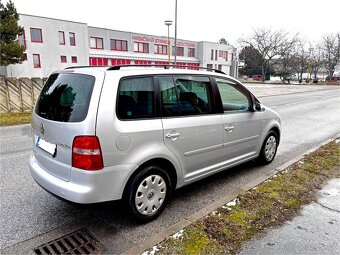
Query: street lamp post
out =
(168, 23)
(175, 32)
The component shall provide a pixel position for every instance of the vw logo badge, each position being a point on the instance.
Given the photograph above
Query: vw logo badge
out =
(42, 130)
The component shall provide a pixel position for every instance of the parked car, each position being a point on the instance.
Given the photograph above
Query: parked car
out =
(137, 133)
(332, 78)
(257, 77)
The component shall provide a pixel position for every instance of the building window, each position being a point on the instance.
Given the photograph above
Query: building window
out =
(209, 66)
(212, 55)
(191, 52)
(220, 67)
(72, 39)
(24, 57)
(36, 61)
(141, 47)
(36, 35)
(74, 59)
(63, 59)
(61, 37)
(180, 51)
(119, 45)
(223, 54)
(161, 49)
(22, 39)
(96, 43)
(215, 54)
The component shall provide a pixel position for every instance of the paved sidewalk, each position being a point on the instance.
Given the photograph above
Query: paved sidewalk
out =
(264, 90)
(315, 231)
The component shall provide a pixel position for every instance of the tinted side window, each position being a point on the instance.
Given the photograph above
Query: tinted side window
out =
(169, 96)
(233, 98)
(185, 95)
(136, 98)
(65, 97)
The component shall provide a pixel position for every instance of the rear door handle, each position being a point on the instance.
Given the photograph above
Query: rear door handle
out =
(172, 135)
(229, 128)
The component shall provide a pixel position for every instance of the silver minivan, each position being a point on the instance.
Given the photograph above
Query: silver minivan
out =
(138, 133)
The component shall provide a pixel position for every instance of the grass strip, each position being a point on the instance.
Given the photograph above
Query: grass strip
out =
(268, 205)
(15, 118)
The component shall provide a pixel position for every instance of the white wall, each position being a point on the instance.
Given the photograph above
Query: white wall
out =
(108, 34)
(50, 50)
(205, 55)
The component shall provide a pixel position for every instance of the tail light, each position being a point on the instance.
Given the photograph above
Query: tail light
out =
(86, 153)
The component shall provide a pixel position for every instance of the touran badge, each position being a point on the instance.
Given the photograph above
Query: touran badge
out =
(42, 130)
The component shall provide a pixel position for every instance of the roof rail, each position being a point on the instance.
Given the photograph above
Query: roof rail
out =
(165, 66)
(74, 67)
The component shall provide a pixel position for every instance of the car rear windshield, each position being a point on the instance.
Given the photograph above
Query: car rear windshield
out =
(65, 97)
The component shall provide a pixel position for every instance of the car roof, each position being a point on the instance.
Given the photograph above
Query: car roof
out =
(127, 70)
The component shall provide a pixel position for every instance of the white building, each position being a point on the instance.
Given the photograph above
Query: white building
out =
(53, 44)
(217, 56)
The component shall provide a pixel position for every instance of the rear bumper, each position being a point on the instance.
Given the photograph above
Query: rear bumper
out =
(84, 187)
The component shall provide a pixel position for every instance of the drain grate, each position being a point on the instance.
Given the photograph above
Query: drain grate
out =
(78, 242)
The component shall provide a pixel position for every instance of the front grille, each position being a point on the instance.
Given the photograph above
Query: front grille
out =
(78, 242)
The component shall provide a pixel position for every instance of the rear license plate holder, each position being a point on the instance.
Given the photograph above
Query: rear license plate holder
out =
(48, 147)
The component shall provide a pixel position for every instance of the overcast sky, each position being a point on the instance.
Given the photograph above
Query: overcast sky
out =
(198, 20)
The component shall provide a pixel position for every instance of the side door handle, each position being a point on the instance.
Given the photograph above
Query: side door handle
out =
(229, 128)
(172, 135)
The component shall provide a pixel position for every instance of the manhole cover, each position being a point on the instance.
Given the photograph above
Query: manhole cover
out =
(78, 242)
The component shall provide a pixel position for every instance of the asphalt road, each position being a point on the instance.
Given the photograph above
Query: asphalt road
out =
(27, 211)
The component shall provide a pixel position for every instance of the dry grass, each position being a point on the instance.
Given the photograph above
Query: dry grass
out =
(15, 118)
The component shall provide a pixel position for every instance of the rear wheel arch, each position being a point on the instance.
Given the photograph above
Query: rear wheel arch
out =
(160, 162)
(166, 165)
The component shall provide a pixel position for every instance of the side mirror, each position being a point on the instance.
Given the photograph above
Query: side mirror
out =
(259, 107)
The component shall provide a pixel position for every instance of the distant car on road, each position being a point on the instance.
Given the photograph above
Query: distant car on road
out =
(332, 78)
(136, 134)
(257, 77)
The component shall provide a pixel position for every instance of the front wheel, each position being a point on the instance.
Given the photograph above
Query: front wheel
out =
(269, 148)
(147, 193)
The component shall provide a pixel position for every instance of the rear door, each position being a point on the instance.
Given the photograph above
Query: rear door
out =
(192, 129)
(66, 108)
(241, 125)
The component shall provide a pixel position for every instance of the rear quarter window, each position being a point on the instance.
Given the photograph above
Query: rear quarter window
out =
(136, 98)
(65, 97)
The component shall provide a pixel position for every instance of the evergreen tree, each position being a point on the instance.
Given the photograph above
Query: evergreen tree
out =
(10, 49)
(252, 59)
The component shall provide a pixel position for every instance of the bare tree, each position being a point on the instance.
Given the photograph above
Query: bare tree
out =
(287, 65)
(317, 60)
(272, 45)
(331, 51)
(300, 59)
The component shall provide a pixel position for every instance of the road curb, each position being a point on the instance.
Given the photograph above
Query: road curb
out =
(159, 237)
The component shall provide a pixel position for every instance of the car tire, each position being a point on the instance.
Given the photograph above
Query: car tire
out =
(147, 193)
(269, 148)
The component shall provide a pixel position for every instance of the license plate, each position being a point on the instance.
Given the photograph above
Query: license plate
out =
(50, 148)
